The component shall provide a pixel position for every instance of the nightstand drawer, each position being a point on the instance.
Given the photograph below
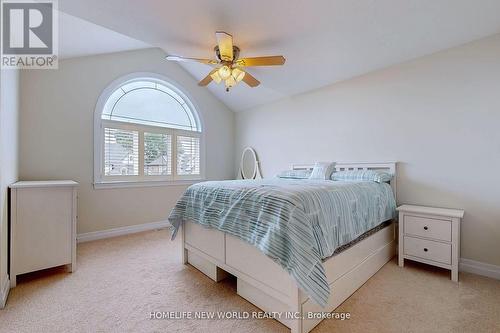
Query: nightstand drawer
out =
(427, 227)
(426, 249)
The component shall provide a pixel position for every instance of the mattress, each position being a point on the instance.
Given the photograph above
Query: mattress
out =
(297, 223)
(367, 234)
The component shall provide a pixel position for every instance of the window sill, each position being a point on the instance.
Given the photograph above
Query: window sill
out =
(150, 183)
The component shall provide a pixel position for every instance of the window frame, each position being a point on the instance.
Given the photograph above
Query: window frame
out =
(141, 180)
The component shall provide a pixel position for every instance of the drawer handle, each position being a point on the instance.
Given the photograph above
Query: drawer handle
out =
(425, 249)
(425, 228)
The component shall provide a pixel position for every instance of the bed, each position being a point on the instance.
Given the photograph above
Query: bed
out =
(265, 263)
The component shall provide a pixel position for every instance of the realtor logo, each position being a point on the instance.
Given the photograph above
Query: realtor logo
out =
(29, 34)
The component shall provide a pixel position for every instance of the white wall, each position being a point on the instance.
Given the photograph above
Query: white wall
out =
(439, 116)
(9, 111)
(56, 131)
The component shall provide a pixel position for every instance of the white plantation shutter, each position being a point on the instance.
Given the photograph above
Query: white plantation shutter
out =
(188, 155)
(121, 152)
(157, 154)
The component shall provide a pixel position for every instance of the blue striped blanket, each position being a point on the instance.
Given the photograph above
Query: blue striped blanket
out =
(297, 223)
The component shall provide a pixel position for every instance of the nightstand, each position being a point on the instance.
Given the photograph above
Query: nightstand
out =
(430, 235)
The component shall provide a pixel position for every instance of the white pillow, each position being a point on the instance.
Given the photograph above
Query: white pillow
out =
(322, 170)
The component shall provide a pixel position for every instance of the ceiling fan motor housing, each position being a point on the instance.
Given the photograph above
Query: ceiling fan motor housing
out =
(236, 53)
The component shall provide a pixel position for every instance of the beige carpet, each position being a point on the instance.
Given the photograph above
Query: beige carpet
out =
(121, 280)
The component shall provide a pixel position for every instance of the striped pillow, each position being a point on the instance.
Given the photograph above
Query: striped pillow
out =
(295, 174)
(363, 175)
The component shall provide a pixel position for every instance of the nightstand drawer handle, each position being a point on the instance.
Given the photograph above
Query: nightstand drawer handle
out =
(425, 228)
(425, 249)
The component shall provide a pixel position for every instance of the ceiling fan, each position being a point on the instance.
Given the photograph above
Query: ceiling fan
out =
(229, 67)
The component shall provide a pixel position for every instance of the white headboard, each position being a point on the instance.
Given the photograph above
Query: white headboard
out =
(341, 166)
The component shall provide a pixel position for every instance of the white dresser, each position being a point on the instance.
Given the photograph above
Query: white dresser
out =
(42, 226)
(430, 235)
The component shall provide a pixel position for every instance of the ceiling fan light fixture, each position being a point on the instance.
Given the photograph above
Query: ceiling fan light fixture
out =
(230, 82)
(216, 77)
(238, 74)
(224, 72)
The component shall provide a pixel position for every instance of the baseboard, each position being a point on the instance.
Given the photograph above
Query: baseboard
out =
(479, 268)
(4, 292)
(95, 235)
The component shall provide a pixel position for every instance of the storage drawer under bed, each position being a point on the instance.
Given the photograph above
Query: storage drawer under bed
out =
(249, 260)
(209, 241)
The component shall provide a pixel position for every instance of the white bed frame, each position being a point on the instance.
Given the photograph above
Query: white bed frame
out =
(265, 284)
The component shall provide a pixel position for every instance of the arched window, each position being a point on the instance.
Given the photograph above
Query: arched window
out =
(146, 130)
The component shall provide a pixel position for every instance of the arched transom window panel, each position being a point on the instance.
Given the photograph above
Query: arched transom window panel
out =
(146, 130)
(149, 103)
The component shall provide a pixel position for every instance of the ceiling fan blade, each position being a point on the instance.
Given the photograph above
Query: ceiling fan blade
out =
(203, 61)
(225, 43)
(261, 61)
(207, 79)
(250, 80)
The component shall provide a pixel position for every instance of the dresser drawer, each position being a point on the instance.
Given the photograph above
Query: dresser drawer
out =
(427, 227)
(427, 249)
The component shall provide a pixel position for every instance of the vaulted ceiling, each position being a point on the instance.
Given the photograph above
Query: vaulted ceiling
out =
(78, 38)
(324, 41)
